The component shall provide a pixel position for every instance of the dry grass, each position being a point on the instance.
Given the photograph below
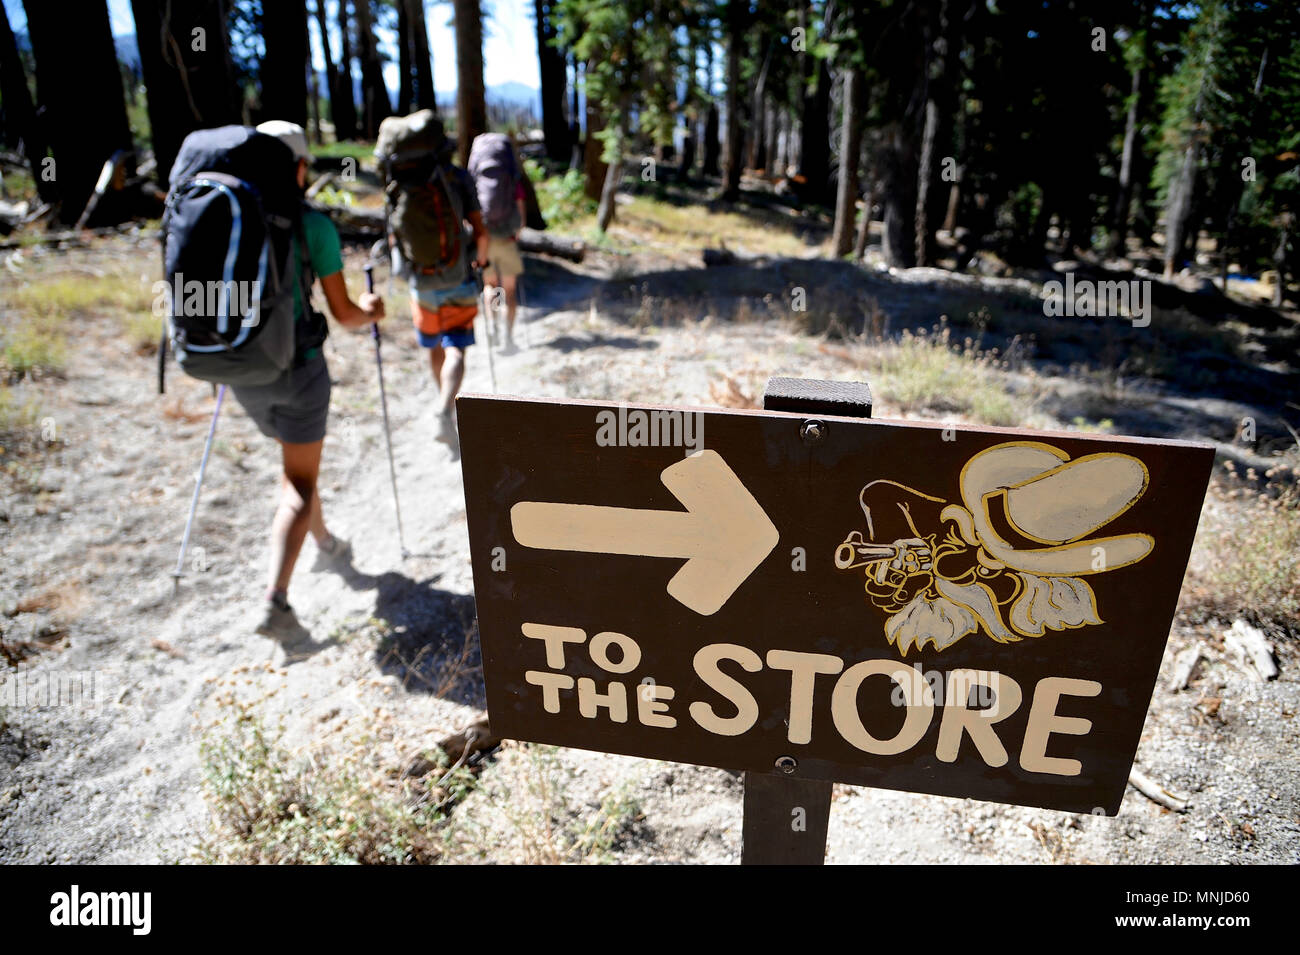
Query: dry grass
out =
(694, 226)
(526, 812)
(1246, 559)
(929, 373)
(36, 317)
(333, 802)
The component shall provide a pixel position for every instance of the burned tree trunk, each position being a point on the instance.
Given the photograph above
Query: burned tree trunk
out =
(79, 88)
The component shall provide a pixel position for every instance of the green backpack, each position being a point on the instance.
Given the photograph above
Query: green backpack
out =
(424, 213)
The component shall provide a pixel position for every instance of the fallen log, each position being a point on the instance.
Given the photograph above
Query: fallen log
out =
(368, 224)
(539, 242)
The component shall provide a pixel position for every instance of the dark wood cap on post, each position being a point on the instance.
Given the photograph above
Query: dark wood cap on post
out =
(809, 396)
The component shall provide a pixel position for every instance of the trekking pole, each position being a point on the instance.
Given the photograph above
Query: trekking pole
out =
(198, 484)
(487, 326)
(383, 403)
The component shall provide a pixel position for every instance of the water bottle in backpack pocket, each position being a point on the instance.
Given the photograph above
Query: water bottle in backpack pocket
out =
(231, 214)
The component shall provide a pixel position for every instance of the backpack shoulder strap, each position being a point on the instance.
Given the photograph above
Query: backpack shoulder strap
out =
(306, 274)
(453, 194)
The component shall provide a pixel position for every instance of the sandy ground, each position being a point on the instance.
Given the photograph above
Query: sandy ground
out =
(92, 529)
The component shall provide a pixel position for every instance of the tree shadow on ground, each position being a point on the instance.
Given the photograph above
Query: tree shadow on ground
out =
(549, 285)
(570, 343)
(1198, 345)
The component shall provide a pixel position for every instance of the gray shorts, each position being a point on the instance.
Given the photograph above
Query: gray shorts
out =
(294, 407)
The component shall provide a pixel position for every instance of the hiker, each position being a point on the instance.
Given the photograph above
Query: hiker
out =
(428, 202)
(293, 408)
(498, 180)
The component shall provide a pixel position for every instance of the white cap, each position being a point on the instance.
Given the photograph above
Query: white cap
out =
(291, 134)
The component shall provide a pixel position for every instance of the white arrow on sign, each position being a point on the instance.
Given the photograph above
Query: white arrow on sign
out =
(723, 533)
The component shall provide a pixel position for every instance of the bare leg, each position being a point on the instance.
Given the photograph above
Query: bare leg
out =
(452, 374)
(317, 526)
(511, 286)
(299, 510)
(435, 364)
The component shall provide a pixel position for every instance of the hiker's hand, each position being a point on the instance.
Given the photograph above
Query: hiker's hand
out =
(373, 305)
(482, 243)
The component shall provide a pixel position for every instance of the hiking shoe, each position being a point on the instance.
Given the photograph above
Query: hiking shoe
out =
(337, 556)
(509, 348)
(445, 431)
(279, 621)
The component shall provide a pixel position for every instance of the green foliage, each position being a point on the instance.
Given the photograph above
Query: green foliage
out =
(561, 198)
(362, 152)
(632, 60)
(1234, 98)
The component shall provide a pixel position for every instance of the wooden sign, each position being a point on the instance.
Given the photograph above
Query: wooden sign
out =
(964, 611)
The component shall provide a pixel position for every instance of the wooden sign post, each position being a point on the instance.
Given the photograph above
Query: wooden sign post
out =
(785, 816)
(810, 596)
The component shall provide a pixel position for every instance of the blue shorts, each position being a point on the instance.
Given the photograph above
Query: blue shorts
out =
(457, 338)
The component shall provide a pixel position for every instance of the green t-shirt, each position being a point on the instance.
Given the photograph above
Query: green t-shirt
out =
(326, 257)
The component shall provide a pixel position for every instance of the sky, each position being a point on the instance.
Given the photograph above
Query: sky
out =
(509, 41)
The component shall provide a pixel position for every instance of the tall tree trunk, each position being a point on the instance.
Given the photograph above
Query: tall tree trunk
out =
(284, 68)
(687, 163)
(864, 224)
(188, 88)
(609, 189)
(551, 70)
(79, 87)
(593, 167)
(331, 74)
(733, 158)
(426, 96)
(1128, 160)
(405, 86)
(577, 152)
(814, 132)
(712, 145)
(940, 70)
(772, 130)
(898, 195)
(376, 104)
(1178, 208)
(846, 198)
(313, 93)
(924, 175)
(345, 112)
(471, 104)
(758, 111)
(20, 115)
(1280, 258)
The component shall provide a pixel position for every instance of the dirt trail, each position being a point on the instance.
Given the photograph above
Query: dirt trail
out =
(121, 781)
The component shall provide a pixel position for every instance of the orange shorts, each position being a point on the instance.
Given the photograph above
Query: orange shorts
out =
(434, 311)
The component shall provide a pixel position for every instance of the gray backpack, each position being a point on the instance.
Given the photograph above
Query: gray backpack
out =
(496, 172)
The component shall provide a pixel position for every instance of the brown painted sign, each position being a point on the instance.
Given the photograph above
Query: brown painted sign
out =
(963, 611)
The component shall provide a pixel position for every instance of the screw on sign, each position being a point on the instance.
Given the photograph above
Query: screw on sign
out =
(982, 613)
